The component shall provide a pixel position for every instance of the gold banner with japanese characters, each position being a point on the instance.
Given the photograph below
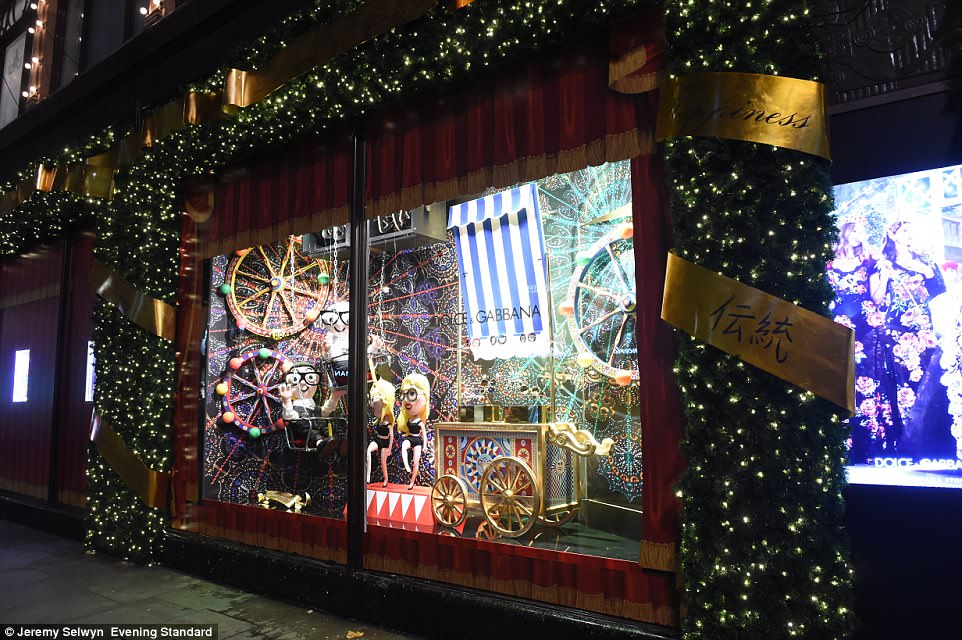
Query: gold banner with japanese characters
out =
(797, 345)
(784, 112)
(154, 315)
(149, 485)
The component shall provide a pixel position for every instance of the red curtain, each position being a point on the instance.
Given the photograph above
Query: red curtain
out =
(662, 461)
(532, 119)
(291, 191)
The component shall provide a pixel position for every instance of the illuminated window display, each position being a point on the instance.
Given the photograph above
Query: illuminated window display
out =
(276, 379)
(896, 279)
(502, 367)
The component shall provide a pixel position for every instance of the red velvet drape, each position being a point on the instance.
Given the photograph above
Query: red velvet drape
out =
(541, 116)
(291, 191)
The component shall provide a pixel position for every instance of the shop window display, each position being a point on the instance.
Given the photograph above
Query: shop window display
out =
(503, 375)
(276, 379)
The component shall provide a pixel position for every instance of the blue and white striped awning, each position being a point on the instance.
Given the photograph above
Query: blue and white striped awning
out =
(500, 247)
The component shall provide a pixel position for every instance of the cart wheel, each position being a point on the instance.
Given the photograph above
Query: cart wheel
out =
(449, 500)
(485, 532)
(557, 518)
(510, 498)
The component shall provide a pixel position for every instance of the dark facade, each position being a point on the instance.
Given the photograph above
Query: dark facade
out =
(895, 108)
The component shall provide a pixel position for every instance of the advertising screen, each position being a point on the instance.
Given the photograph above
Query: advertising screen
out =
(896, 278)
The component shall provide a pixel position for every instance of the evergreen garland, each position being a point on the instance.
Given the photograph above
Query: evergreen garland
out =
(763, 545)
(138, 231)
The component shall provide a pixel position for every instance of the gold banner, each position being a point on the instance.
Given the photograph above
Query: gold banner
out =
(784, 112)
(797, 345)
(154, 315)
(163, 122)
(244, 88)
(201, 107)
(150, 486)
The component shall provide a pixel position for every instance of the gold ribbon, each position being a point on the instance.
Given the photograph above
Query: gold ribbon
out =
(244, 88)
(154, 315)
(163, 122)
(797, 345)
(784, 112)
(150, 486)
(201, 107)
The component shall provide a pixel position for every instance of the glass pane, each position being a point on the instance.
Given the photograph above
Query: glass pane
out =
(503, 327)
(276, 417)
(72, 39)
(12, 78)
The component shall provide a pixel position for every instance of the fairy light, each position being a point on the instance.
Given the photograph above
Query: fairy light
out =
(138, 231)
(757, 213)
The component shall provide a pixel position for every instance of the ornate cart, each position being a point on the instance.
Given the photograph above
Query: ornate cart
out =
(518, 474)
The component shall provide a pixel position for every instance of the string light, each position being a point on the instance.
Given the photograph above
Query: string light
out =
(138, 231)
(763, 540)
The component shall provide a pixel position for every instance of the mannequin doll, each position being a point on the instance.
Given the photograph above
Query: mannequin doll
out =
(297, 401)
(412, 422)
(381, 401)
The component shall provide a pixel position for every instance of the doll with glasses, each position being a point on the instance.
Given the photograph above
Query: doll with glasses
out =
(412, 421)
(381, 401)
(299, 410)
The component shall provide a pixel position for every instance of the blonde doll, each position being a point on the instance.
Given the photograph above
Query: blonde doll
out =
(381, 401)
(412, 422)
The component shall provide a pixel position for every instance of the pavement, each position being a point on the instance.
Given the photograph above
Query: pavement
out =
(49, 580)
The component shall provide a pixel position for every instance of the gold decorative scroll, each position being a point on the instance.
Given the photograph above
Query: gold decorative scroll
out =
(580, 441)
(244, 88)
(150, 486)
(797, 345)
(784, 112)
(289, 501)
(154, 315)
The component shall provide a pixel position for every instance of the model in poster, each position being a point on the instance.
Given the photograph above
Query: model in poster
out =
(412, 423)
(381, 401)
(849, 274)
(903, 284)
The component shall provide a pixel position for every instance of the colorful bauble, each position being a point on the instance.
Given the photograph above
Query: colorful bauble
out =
(626, 231)
(235, 363)
(566, 308)
(264, 353)
(254, 432)
(227, 416)
(312, 314)
(225, 289)
(584, 360)
(221, 389)
(324, 277)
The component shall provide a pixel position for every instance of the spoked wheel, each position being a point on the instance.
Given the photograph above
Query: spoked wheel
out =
(510, 497)
(449, 500)
(275, 290)
(601, 308)
(249, 391)
(557, 518)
